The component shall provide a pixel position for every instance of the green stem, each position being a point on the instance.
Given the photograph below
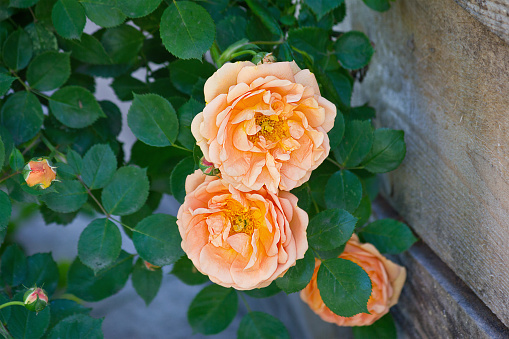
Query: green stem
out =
(20, 80)
(94, 198)
(51, 147)
(334, 162)
(9, 176)
(279, 42)
(180, 147)
(12, 303)
(32, 144)
(245, 302)
(4, 332)
(312, 199)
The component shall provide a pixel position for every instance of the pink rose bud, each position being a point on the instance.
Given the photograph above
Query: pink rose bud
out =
(208, 168)
(39, 173)
(35, 299)
(150, 266)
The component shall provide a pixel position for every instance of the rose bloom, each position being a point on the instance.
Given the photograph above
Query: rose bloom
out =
(387, 279)
(39, 172)
(264, 125)
(243, 240)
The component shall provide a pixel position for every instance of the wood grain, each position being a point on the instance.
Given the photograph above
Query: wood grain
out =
(443, 77)
(493, 13)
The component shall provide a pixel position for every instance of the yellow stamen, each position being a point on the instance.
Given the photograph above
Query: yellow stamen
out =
(243, 220)
(272, 128)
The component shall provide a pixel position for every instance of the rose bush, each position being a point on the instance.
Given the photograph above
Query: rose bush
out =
(387, 279)
(264, 125)
(240, 239)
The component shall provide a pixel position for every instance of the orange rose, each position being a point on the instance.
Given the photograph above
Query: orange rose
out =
(243, 240)
(387, 279)
(39, 173)
(264, 125)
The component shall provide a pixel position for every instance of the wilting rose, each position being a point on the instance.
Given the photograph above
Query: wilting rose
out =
(264, 125)
(39, 173)
(387, 279)
(243, 240)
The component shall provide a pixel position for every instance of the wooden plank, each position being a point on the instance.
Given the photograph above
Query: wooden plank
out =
(435, 303)
(493, 13)
(443, 77)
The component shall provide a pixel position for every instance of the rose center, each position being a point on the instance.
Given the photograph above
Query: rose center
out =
(243, 219)
(272, 128)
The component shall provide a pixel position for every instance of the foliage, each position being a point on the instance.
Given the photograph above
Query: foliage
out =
(48, 69)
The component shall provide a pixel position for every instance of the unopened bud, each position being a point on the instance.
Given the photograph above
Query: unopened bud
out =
(39, 173)
(35, 299)
(263, 58)
(151, 267)
(208, 167)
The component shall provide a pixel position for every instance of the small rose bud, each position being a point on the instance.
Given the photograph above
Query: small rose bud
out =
(208, 167)
(39, 173)
(151, 267)
(35, 299)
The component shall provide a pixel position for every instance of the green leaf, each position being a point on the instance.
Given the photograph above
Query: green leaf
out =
(383, 328)
(364, 112)
(22, 115)
(125, 86)
(388, 151)
(99, 244)
(42, 270)
(22, 3)
(5, 313)
(49, 70)
(187, 273)
(184, 74)
(310, 41)
(344, 286)
(83, 283)
(122, 43)
(50, 216)
(388, 236)
(332, 254)
(337, 132)
(104, 13)
(74, 160)
(75, 107)
(99, 166)
(2, 153)
(363, 212)
(182, 34)
(261, 325)
(13, 267)
(5, 83)
(356, 143)
(353, 50)
(17, 50)
(330, 229)
(42, 39)
(157, 239)
(298, 276)
(27, 324)
(88, 50)
(378, 5)
(343, 191)
(69, 18)
(262, 12)
(126, 192)
(264, 292)
(213, 309)
(63, 308)
(153, 120)
(70, 195)
(185, 114)
(230, 30)
(322, 7)
(178, 178)
(137, 9)
(343, 87)
(77, 326)
(146, 282)
(16, 161)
